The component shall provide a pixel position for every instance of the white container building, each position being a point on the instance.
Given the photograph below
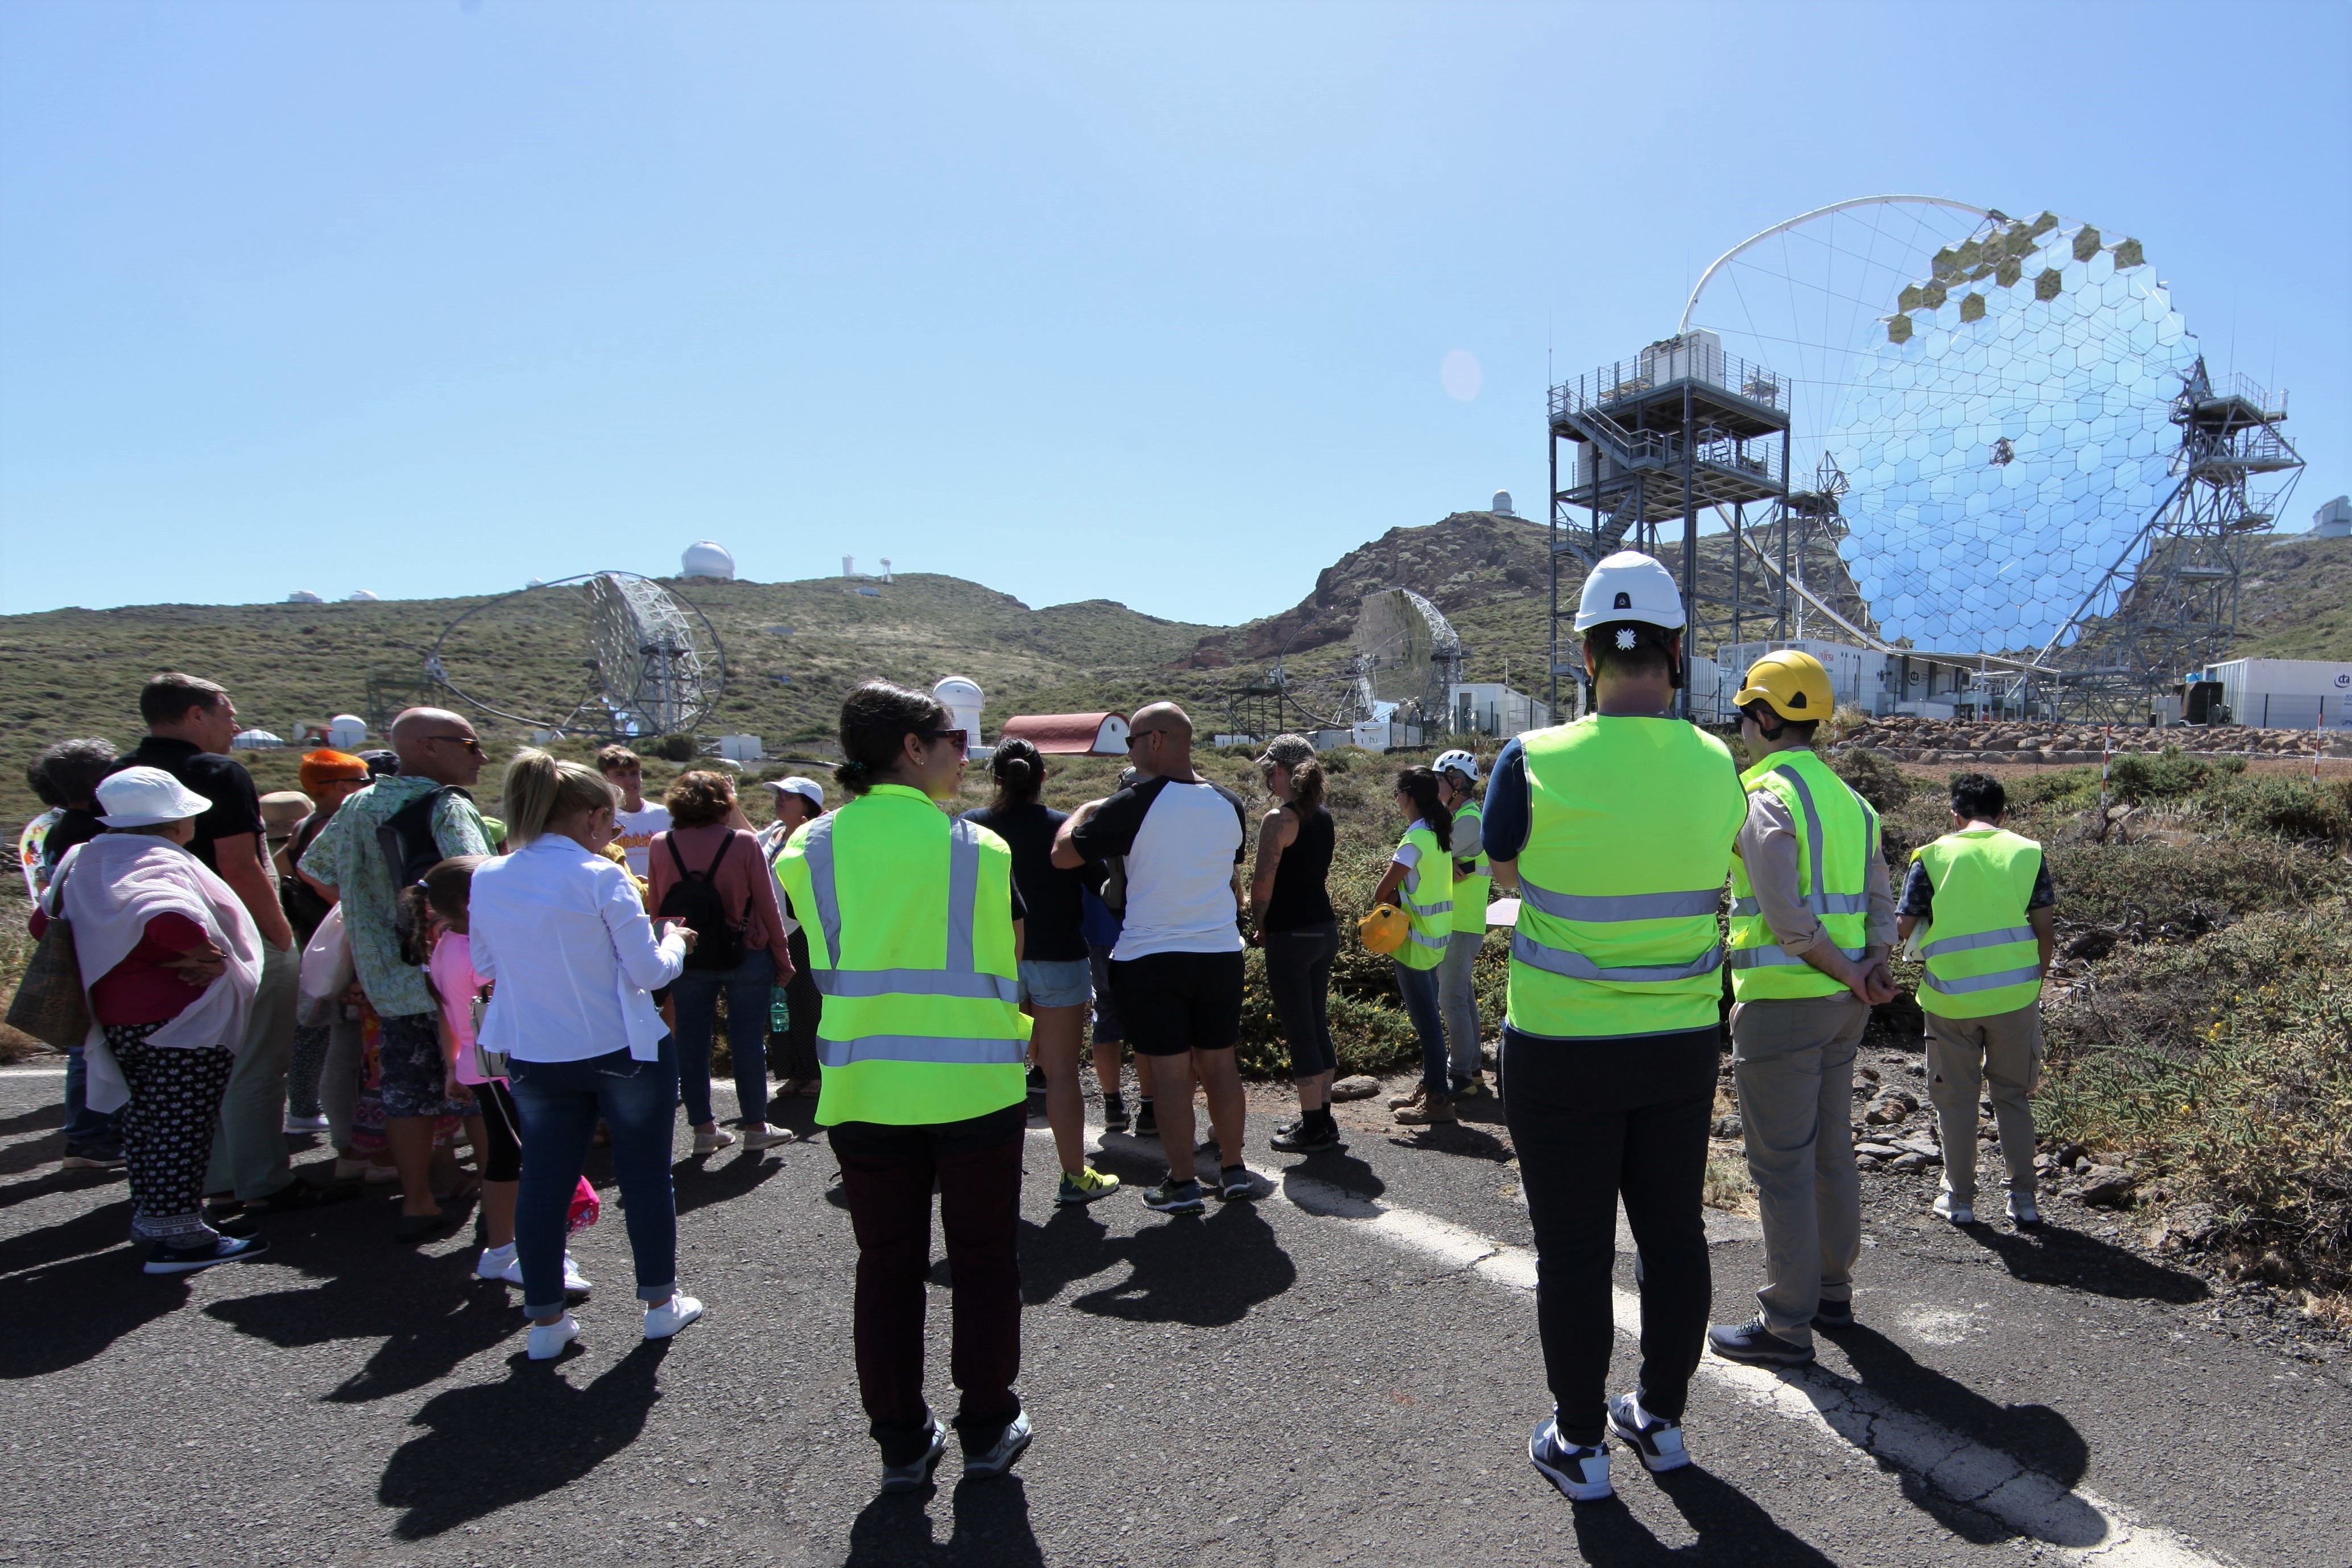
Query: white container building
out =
(2285, 693)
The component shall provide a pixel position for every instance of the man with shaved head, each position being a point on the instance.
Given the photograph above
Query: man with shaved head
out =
(383, 839)
(1176, 972)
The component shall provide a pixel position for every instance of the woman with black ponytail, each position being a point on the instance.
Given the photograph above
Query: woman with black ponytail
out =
(1055, 981)
(1420, 880)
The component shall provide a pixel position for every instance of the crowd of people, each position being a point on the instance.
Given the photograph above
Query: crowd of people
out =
(377, 958)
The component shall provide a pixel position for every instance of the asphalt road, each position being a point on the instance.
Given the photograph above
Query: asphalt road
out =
(1342, 1370)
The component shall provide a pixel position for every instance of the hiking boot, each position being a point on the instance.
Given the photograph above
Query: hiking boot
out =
(1580, 1474)
(2021, 1210)
(1435, 1111)
(998, 1458)
(1420, 1092)
(1754, 1344)
(1307, 1135)
(916, 1473)
(1173, 1197)
(1114, 1119)
(1957, 1211)
(1658, 1440)
(1085, 1187)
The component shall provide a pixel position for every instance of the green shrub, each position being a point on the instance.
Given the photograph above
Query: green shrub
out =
(2286, 807)
(2138, 778)
(1876, 779)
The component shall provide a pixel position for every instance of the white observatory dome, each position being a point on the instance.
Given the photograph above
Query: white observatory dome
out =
(706, 559)
(961, 697)
(303, 596)
(347, 732)
(359, 596)
(1502, 506)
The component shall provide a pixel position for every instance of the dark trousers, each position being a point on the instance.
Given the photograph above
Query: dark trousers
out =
(1298, 973)
(888, 1174)
(1593, 1120)
(167, 1128)
(805, 1003)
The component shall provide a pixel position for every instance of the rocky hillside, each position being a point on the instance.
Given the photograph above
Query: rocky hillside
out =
(1907, 739)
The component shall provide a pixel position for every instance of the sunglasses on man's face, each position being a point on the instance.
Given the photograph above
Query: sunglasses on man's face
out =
(468, 741)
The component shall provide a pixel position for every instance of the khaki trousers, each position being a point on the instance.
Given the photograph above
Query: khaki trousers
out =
(1793, 1062)
(2002, 1051)
(249, 1143)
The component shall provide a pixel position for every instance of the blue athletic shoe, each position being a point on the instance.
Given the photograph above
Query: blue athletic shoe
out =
(1658, 1440)
(1580, 1474)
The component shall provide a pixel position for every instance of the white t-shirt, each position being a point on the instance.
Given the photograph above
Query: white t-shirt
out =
(637, 830)
(1181, 842)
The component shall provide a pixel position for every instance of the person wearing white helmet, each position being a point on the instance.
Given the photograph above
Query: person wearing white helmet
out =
(170, 960)
(1617, 830)
(1457, 1000)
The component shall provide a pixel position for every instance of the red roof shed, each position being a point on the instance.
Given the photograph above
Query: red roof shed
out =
(1070, 734)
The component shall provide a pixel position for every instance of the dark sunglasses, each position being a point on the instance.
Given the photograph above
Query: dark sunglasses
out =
(468, 741)
(957, 736)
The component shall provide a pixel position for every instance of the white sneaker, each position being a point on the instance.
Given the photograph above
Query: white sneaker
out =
(672, 1315)
(510, 1269)
(547, 1340)
(710, 1143)
(304, 1123)
(1957, 1212)
(498, 1263)
(765, 1135)
(2023, 1210)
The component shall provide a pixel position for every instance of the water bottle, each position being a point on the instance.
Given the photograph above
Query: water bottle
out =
(780, 1017)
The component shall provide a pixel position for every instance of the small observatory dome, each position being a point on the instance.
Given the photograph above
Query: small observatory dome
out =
(1502, 506)
(303, 596)
(708, 559)
(359, 596)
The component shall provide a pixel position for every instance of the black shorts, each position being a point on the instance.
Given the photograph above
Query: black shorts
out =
(1174, 1002)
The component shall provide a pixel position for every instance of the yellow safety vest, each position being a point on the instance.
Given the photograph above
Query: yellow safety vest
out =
(1982, 958)
(1837, 834)
(1427, 895)
(1473, 892)
(1632, 822)
(909, 914)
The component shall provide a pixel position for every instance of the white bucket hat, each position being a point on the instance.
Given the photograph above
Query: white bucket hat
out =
(808, 789)
(143, 797)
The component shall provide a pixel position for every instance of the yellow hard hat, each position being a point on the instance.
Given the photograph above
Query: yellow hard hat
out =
(1793, 682)
(1384, 930)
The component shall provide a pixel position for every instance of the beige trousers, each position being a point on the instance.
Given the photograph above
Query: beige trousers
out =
(1793, 1064)
(2002, 1051)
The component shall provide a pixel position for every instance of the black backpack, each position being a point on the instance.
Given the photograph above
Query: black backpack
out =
(406, 838)
(694, 898)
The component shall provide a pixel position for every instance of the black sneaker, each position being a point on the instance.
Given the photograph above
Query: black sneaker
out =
(1307, 1135)
(90, 1157)
(1115, 1118)
(1833, 1315)
(1236, 1182)
(1752, 1343)
(1657, 1440)
(1147, 1125)
(165, 1258)
(1036, 1084)
(303, 1193)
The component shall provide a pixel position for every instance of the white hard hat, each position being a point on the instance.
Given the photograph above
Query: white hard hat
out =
(143, 797)
(1630, 586)
(1462, 761)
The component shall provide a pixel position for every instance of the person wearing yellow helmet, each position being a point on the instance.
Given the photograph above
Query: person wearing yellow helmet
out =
(1812, 920)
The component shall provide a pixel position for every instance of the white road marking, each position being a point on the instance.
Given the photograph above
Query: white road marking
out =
(2087, 1527)
(32, 1072)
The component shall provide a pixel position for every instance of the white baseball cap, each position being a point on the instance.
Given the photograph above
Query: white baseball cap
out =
(143, 797)
(808, 788)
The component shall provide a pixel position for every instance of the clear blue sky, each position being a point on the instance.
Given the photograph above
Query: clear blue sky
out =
(1139, 302)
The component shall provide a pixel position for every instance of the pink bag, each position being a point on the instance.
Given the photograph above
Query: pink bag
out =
(586, 1207)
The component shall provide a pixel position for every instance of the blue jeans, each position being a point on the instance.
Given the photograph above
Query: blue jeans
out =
(558, 1102)
(1420, 990)
(85, 1126)
(695, 997)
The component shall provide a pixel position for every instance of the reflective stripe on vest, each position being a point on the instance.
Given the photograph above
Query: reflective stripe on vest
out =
(1979, 960)
(1832, 871)
(962, 977)
(1630, 824)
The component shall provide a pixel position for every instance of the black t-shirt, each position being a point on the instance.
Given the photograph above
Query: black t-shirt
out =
(235, 803)
(1050, 894)
(1301, 900)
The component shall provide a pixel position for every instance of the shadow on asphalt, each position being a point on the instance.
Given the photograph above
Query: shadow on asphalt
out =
(50, 1117)
(1460, 1138)
(83, 1287)
(496, 1445)
(58, 1181)
(2034, 1435)
(1205, 1272)
(1730, 1526)
(2052, 1255)
(989, 1529)
(698, 1183)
